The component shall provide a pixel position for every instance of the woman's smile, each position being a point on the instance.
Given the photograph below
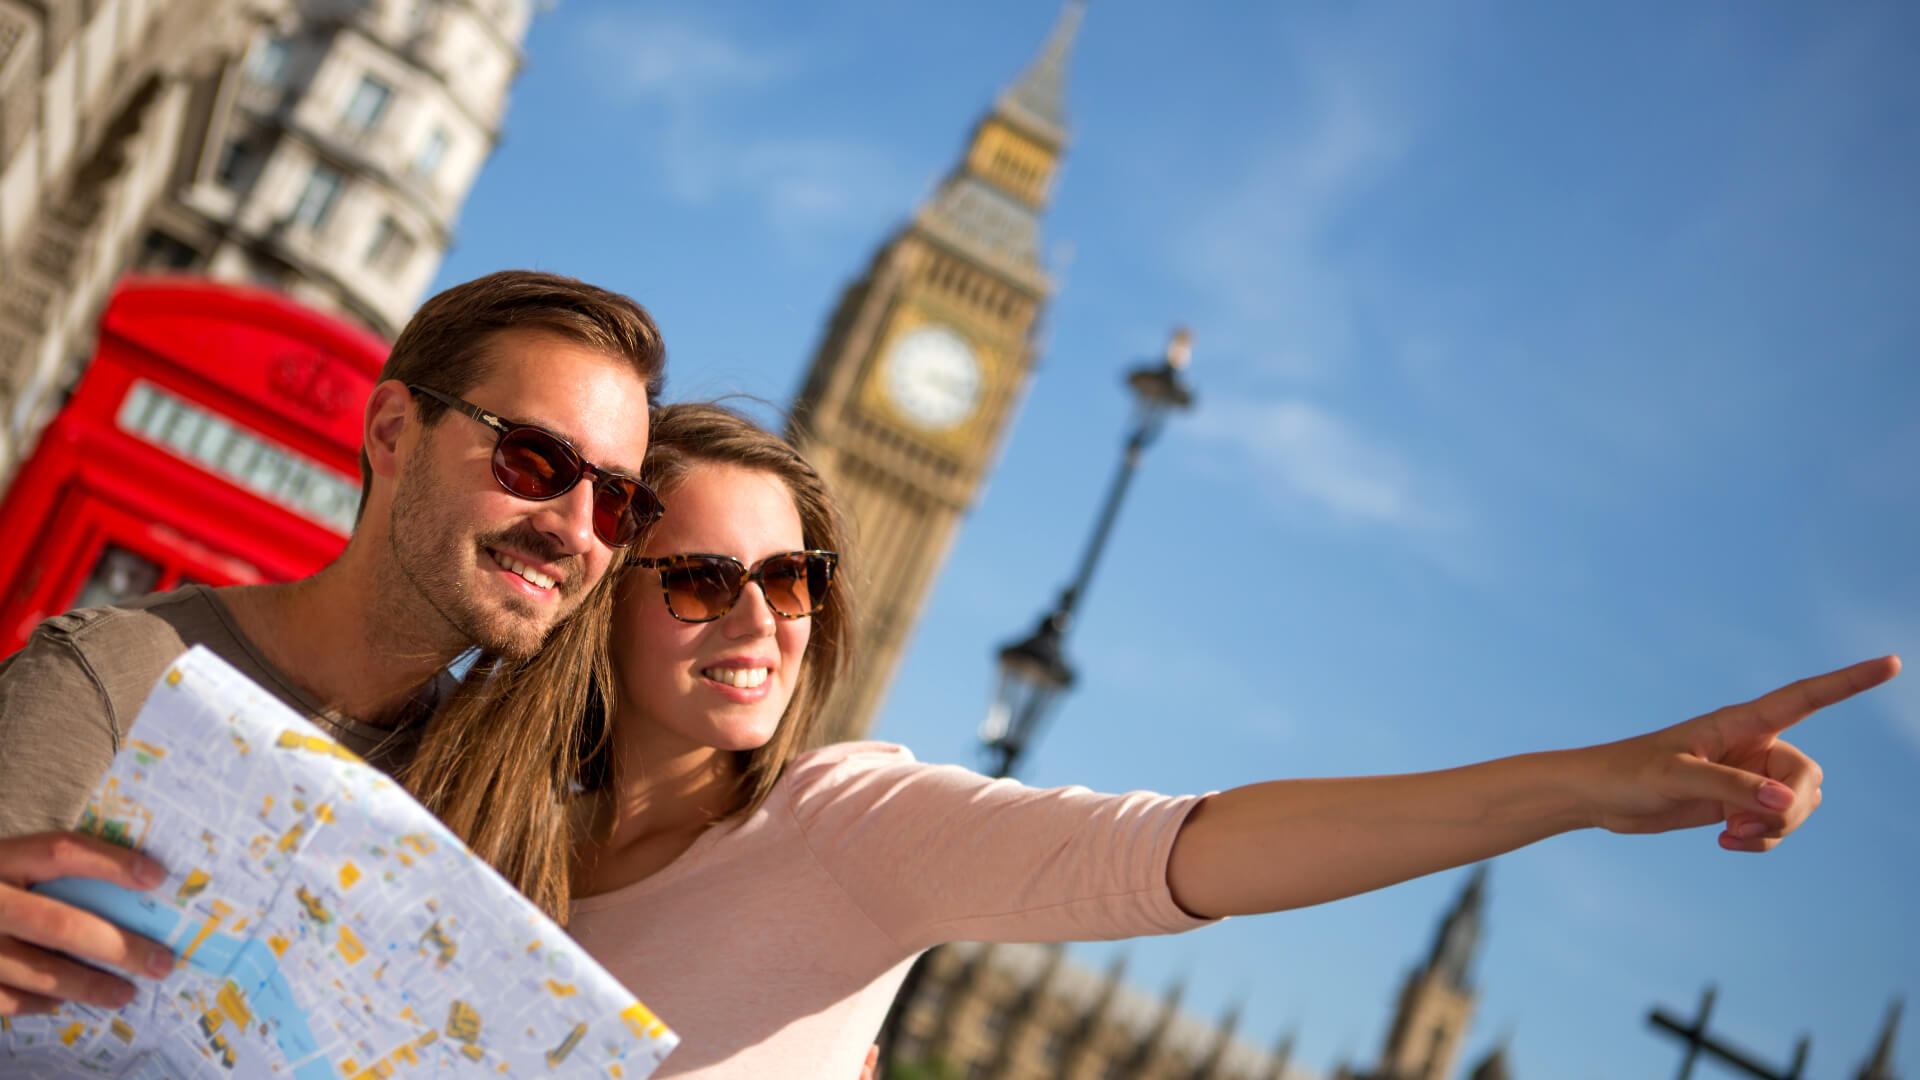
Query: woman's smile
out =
(722, 684)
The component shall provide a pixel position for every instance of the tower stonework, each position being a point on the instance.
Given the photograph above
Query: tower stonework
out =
(1436, 1004)
(925, 361)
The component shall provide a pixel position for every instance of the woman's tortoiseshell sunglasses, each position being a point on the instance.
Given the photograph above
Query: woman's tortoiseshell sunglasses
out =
(702, 588)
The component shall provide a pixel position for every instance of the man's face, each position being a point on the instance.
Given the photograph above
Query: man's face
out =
(501, 570)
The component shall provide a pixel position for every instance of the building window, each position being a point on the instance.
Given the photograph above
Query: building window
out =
(427, 161)
(267, 64)
(317, 198)
(239, 164)
(367, 105)
(392, 247)
(1053, 1048)
(995, 1024)
(418, 16)
(162, 251)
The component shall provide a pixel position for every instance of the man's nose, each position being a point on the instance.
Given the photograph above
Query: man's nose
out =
(568, 519)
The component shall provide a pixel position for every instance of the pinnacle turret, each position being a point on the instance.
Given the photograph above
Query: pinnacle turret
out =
(1459, 938)
(1880, 1065)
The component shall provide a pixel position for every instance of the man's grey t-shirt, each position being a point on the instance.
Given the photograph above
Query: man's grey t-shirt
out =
(68, 697)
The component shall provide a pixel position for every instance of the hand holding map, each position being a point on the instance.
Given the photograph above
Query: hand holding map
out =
(327, 924)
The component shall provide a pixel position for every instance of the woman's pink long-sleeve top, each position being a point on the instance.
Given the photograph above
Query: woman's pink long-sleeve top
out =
(774, 946)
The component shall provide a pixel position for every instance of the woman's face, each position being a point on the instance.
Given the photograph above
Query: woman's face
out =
(722, 684)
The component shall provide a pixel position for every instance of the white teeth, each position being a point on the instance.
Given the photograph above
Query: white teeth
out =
(525, 571)
(745, 678)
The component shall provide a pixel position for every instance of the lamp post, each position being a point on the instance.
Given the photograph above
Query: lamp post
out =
(1034, 672)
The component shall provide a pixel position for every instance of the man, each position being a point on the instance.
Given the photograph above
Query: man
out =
(500, 445)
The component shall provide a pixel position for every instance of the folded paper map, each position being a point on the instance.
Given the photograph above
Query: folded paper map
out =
(329, 926)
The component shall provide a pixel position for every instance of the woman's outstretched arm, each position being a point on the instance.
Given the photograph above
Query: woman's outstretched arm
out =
(1291, 843)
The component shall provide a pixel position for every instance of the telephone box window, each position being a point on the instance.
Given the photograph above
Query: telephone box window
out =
(119, 575)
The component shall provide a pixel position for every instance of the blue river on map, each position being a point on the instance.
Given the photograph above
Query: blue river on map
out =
(250, 963)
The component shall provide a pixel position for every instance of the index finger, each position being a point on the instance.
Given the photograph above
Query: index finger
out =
(37, 857)
(61, 928)
(1781, 709)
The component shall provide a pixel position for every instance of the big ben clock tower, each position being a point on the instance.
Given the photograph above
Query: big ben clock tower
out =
(925, 360)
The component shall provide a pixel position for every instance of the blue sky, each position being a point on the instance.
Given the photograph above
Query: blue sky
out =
(1557, 380)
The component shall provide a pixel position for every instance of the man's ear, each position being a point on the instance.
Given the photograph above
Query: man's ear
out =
(389, 411)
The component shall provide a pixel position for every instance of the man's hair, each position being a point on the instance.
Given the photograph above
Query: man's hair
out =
(446, 345)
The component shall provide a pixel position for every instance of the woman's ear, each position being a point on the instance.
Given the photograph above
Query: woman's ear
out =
(389, 410)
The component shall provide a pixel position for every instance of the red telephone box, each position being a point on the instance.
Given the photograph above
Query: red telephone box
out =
(214, 438)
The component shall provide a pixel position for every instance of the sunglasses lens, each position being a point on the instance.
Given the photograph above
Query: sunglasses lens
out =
(622, 510)
(700, 589)
(533, 464)
(796, 585)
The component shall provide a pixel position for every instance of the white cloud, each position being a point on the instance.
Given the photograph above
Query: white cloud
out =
(1261, 246)
(684, 76)
(641, 54)
(1307, 457)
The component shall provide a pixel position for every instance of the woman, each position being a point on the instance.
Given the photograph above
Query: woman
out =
(767, 899)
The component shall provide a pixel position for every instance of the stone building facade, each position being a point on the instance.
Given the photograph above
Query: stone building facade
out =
(330, 159)
(1024, 1012)
(322, 148)
(94, 98)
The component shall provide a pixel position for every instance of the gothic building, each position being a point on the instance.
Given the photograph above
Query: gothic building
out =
(1022, 1012)
(1436, 1002)
(1879, 1063)
(926, 359)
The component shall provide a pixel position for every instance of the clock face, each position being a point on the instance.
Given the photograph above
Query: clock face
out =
(933, 378)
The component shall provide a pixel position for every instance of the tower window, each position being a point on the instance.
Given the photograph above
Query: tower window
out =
(1054, 1048)
(996, 1023)
(367, 105)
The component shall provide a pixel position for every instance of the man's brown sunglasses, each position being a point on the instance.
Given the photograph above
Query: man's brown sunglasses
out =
(531, 462)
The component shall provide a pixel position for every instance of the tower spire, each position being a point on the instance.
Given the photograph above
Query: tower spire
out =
(1037, 100)
(1459, 937)
(1880, 1065)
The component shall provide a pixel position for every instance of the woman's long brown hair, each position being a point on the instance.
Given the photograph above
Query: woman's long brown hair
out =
(506, 760)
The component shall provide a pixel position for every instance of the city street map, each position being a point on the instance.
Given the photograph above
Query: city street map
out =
(328, 925)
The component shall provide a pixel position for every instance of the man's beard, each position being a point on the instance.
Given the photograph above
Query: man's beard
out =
(438, 559)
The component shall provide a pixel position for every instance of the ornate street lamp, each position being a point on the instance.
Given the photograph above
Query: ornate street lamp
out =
(1034, 672)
